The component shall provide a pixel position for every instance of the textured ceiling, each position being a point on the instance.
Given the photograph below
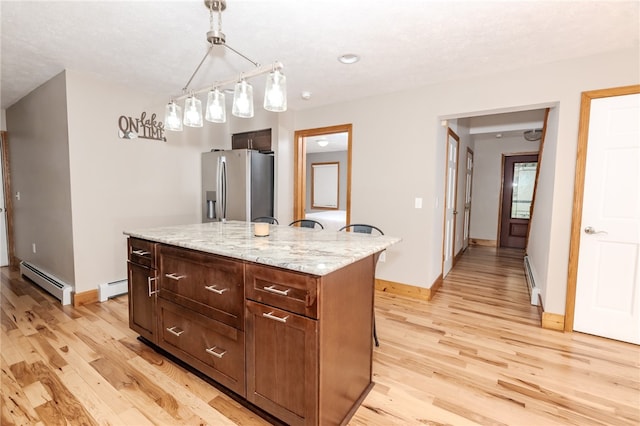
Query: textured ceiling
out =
(155, 46)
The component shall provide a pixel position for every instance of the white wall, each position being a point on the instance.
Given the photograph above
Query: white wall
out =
(119, 184)
(487, 180)
(39, 167)
(541, 226)
(402, 156)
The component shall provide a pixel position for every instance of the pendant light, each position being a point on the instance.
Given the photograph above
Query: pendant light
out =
(275, 94)
(172, 117)
(192, 112)
(216, 112)
(243, 100)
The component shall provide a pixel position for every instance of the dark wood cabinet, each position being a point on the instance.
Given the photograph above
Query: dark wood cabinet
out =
(259, 140)
(298, 346)
(205, 283)
(142, 285)
(282, 363)
(212, 347)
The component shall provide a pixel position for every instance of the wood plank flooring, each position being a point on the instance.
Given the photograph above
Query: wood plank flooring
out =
(473, 355)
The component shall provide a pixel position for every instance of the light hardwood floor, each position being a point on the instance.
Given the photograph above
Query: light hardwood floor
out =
(473, 355)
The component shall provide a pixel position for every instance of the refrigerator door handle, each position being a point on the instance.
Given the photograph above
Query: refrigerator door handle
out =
(221, 204)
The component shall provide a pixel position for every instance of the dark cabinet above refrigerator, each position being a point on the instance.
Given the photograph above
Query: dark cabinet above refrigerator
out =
(259, 140)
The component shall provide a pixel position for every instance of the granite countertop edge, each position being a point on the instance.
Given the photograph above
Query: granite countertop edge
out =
(310, 251)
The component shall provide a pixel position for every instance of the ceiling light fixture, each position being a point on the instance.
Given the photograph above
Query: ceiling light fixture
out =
(275, 97)
(533, 135)
(322, 142)
(348, 58)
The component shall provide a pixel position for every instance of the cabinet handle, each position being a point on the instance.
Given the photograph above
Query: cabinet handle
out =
(213, 352)
(272, 289)
(273, 317)
(215, 290)
(149, 279)
(140, 252)
(175, 332)
(174, 276)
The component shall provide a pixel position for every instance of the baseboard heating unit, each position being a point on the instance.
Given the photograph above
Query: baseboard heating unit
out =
(534, 291)
(49, 283)
(112, 289)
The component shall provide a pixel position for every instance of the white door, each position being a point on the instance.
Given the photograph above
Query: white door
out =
(4, 247)
(467, 199)
(608, 279)
(450, 202)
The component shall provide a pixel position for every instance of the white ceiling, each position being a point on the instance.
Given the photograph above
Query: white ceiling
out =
(155, 45)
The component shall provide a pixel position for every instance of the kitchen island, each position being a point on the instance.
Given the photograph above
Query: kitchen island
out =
(284, 321)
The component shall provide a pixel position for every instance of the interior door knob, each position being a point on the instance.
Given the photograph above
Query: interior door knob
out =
(591, 231)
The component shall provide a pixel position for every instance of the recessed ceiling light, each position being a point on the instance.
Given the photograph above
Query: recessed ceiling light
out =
(348, 58)
(305, 95)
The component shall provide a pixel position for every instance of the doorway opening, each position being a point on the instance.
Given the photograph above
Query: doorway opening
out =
(322, 175)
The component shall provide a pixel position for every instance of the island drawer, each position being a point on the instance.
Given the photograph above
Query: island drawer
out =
(291, 291)
(212, 347)
(142, 252)
(206, 283)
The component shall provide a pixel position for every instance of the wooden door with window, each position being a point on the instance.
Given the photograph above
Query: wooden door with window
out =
(518, 184)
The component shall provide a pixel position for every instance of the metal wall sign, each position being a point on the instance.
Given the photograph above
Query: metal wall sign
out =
(141, 127)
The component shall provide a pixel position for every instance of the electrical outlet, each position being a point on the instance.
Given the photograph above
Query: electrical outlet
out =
(33, 247)
(418, 203)
(18, 195)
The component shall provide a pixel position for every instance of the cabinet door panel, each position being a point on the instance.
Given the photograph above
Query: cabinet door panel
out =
(282, 363)
(142, 300)
(287, 290)
(214, 348)
(208, 284)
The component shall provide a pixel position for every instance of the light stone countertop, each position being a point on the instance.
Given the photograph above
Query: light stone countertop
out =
(312, 251)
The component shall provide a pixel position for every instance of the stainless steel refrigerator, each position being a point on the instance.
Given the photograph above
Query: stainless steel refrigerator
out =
(237, 184)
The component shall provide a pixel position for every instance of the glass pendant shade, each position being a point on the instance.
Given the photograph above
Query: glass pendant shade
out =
(216, 112)
(275, 94)
(243, 100)
(172, 113)
(192, 112)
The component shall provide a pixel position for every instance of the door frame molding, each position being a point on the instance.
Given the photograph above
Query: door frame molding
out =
(300, 166)
(467, 227)
(578, 191)
(8, 198)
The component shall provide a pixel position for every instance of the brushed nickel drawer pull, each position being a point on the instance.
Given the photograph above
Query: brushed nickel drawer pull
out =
(213, 352)
(149, 279)
(141, 252)
(215, 290)
(174, 276)
(272, 289)
(175, 332)
(273, 317)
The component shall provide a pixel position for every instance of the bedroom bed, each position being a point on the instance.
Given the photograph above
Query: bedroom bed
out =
(332, 220)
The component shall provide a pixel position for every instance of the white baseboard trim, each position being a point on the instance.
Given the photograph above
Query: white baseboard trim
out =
(52, 285)
(534, 291)
(116, 288)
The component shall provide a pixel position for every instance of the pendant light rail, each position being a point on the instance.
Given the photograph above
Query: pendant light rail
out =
(259, 70)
